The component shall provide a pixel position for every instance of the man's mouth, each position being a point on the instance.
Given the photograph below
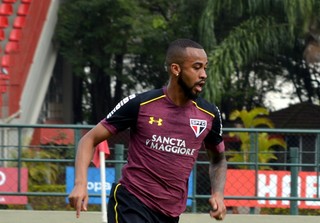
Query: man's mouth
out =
(199, 86)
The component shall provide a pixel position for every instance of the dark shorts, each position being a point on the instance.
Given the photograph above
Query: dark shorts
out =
(124, 207)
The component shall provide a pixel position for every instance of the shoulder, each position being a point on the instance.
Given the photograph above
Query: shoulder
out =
(206, 106)
(150, 96)
(132, 102)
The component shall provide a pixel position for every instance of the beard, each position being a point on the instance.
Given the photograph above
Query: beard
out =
(187, 90)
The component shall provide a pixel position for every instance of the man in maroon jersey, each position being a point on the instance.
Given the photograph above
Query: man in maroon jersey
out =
(168, 127)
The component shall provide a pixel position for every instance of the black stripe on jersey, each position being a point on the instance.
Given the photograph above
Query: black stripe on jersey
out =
(205, 106)
(151, 96)
(126, 112)
(201, 109)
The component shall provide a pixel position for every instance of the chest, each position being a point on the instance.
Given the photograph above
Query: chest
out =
(181, 124)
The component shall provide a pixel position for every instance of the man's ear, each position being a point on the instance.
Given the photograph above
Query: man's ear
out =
(175, 68)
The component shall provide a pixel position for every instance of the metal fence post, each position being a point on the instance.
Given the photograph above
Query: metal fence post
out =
(194, 192)
(19, 158)
(119, 149)
(253, 158)
(318, 162)
(77, 136)
(294, 180)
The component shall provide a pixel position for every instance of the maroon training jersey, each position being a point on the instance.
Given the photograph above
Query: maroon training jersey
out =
(164, 143)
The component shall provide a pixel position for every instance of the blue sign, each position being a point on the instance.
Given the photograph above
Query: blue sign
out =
(190, 189)
(94, 182)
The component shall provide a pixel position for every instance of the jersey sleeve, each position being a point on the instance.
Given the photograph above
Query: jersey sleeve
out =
(124, 114)
(214, 138)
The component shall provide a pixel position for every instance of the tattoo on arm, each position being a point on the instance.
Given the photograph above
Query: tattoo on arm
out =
(217, 171)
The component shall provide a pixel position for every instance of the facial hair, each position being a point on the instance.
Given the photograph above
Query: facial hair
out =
(187, 90)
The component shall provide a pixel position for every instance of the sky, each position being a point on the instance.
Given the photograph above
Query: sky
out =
(278, 100)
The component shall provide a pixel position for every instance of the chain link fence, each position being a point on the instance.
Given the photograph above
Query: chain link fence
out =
(270, 171)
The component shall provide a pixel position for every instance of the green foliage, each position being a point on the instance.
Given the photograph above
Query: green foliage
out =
(41, 172)
(48, 202)
(252, 118)
(249, 44)
(120, 43)
(90, 33)
(252, 37)
(47, 188)
(264, 142)
(45, 172)
(286, 211)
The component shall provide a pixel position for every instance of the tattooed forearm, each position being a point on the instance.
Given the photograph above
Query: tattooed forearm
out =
(217, 172)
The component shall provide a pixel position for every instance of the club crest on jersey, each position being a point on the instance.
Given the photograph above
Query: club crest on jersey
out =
(198, 126)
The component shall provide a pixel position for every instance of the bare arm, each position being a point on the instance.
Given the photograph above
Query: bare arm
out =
(217, 174)
(78, 198)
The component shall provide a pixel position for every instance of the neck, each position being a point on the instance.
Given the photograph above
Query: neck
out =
(176, 94)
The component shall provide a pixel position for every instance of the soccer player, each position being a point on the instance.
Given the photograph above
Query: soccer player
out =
(168, 127)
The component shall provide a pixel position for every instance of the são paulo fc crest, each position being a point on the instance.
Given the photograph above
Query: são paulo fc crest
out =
(198, 126)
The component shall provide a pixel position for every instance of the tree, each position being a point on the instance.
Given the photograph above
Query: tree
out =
(93, 38)
(45, 172)
(252, 42)
(118, 47)
(265, 143)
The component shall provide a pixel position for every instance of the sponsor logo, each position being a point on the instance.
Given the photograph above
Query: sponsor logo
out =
(120, 104)
(9, 181)
(198, 126)
(152, 120)
(2, 178)
(220, 120)
(170, 145)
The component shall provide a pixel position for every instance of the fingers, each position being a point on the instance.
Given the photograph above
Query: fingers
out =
(78, 207)
(218, 210)
(214, 206)
(80, 204)
(71, 202)
(219, 216)
(85, 203)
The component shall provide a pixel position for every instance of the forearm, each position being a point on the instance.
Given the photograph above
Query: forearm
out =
(85, 151)
(78, 197)
(83, 159)
(217, 174)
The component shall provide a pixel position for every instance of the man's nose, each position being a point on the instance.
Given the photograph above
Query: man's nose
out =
(203, 74)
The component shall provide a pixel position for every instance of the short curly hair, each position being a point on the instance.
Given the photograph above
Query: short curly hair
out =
(176, 49)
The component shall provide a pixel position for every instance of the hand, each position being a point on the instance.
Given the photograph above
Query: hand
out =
(78, 199)
(218, 210)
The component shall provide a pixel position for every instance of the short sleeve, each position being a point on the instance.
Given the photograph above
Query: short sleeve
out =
(214, 138)
(124, 114)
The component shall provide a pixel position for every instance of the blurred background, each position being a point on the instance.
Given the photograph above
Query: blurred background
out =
(66, 63)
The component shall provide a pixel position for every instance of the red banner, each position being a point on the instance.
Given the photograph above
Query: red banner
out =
(9, 183)
(271, 184)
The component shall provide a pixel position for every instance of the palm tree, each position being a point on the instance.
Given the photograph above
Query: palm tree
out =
(265, 143)
(263, 38)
